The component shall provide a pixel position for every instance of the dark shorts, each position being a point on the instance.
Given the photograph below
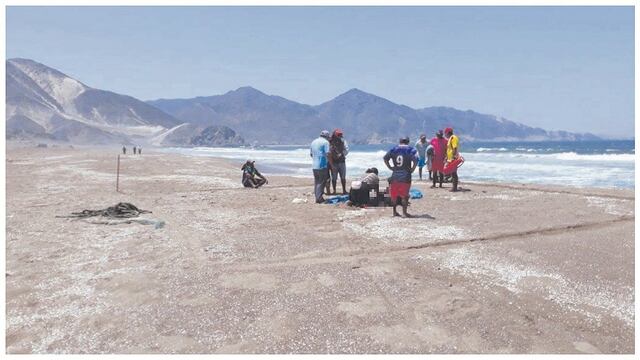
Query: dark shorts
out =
(338, 168)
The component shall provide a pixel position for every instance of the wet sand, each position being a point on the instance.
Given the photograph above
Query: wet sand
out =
(494, 269)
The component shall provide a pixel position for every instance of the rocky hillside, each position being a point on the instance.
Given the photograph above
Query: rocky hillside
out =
(193, 135)
(42, 102)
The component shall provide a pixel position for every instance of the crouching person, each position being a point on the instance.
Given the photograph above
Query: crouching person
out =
(362, 190)
(251, 177)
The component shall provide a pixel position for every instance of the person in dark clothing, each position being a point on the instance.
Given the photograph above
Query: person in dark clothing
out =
(338, 150)
(251, 177)
(124, 150)
(134, 150)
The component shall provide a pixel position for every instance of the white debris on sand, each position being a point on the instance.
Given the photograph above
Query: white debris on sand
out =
(396, 230)
(352, 214)
(66, 297)
(611, 206)
(507, 195)
(521, 278)
(222, 252)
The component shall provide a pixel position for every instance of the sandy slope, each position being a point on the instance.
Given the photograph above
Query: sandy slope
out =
(495, 269)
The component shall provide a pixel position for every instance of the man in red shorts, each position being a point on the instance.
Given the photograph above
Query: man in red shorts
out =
(405, 160)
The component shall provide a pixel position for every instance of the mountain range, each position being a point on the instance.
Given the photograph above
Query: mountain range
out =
(365, 118)
(43, 103)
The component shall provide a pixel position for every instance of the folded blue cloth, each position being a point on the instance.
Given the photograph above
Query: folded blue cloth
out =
(415, 194)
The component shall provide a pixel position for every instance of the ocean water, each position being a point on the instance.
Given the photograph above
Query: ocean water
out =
(604, 164)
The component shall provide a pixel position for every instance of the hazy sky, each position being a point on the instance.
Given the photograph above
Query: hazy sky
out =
(569, 68)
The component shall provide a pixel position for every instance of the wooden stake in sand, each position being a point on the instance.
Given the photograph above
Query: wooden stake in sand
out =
(118, 174)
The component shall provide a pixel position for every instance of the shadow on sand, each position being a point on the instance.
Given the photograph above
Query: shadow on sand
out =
(423, 216)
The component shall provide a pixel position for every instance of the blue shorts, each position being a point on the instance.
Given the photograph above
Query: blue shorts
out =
(421, 162)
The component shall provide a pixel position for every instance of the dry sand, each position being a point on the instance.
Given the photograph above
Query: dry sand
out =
(497, 269)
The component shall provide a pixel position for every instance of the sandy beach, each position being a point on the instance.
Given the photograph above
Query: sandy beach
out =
(499, 268)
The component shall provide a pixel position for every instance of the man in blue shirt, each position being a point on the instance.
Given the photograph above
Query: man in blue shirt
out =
(319, 153)
(405, 160)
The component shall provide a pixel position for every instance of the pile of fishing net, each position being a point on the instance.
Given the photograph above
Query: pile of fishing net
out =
(118, 211)
(121, 213)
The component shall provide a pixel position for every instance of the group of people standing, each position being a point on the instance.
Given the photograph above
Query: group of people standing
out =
(329, 152)
(436, 153)
(136, 150)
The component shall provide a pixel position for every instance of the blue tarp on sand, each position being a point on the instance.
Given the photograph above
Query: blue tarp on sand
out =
(337, 199)
(415, 194)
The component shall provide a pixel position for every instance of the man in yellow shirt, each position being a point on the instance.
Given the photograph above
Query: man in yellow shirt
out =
(452, 153)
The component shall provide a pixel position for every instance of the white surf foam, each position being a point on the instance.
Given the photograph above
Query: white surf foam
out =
(568, 168)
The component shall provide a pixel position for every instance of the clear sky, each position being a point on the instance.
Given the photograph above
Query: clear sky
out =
(559, 68)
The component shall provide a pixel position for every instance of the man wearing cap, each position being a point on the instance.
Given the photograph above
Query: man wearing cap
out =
(421, 147)
(452, 154)
(251, 177)
(405, 160)
(338, 150)
(319, 153)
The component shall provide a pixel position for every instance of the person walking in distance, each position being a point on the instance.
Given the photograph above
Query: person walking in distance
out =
(405, 160)
(319, 152)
